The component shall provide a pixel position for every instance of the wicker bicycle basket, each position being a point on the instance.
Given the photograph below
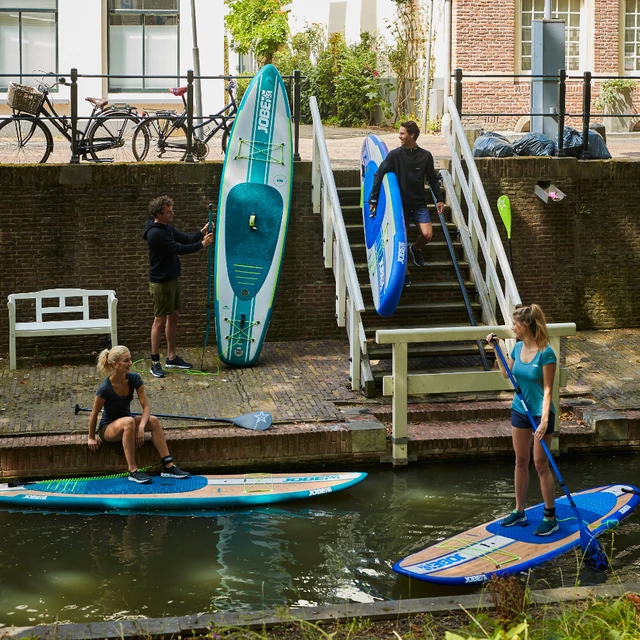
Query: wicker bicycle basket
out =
(21, 97)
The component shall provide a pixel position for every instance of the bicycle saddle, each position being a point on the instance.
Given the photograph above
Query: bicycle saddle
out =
(178, 91)
(97, 102)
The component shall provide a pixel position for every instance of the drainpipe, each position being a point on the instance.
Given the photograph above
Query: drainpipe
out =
(547, 9)
(447, 49)
(196, 68)
(427, 73)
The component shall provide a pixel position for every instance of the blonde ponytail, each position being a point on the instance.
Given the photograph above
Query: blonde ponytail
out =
(534, 320)
(109, 357)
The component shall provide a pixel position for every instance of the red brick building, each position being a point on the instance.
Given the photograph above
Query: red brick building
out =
(494, 36)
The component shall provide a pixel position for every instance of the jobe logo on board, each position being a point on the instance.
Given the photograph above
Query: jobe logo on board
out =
(440, 563)
(264, 115)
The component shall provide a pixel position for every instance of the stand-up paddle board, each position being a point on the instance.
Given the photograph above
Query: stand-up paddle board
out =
(253, 213)
(385, 234)
(492, 550)
(169, 494)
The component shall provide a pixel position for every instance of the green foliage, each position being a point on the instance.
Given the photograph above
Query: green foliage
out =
(261, 26)
(610, 92)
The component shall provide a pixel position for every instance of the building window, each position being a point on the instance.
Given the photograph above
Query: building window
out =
(28, 40)
(632, 35)
(567, 10)
(143, 41)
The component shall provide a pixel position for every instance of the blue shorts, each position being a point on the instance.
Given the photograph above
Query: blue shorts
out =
(521, 421)
(420, 215)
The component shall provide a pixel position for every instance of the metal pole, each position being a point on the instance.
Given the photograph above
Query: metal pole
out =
(74, 117)
(547, 9)
(586, 114)
(189, 156)
(296, 114)
(427, 73)
(196, 67)
(458, 90)
(447, 49)
(562, 100)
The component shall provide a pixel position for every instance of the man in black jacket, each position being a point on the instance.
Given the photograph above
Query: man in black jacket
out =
(412, 165)
(166, 243)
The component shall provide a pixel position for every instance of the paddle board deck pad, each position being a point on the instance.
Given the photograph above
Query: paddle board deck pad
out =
(253, 214)
(492, 550)
(169, 494)
(385, 234)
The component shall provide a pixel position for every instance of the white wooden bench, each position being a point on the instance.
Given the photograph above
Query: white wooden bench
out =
(42, 326)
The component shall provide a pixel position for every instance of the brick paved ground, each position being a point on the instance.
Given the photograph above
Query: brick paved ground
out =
(295, 381)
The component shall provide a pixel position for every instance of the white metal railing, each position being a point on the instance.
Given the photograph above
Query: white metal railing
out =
(401, 384)
(336, 247)
(485, 236)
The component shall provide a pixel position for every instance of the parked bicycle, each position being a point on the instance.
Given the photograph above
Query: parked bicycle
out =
(165, 132)
(26, 135)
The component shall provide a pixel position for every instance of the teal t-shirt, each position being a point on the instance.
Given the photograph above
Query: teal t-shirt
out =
(529, 377)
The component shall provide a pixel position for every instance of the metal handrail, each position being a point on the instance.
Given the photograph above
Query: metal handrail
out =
(326, 202)
(491, 243)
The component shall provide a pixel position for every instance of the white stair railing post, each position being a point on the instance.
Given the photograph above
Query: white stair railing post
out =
(399, 433)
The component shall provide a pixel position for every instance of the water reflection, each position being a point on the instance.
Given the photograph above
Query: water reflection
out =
(333, 549)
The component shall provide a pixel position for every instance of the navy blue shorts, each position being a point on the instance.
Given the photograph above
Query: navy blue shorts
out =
(521, 421)
(420, 215)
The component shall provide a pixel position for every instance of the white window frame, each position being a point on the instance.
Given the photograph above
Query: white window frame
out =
(623, 40)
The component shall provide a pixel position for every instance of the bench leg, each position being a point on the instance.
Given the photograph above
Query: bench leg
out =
(12, 350)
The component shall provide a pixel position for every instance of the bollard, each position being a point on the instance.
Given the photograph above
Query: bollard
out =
(562, 103)
(73, 96)
(586, 114)
(458, 90)
(296, 114)
(189, 155)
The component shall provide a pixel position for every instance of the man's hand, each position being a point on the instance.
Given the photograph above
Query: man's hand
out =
(94, 443)
(440, 207)
(205, 230)
(207, 240)
(372, 208)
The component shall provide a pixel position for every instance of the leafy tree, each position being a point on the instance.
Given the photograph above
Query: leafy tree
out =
(261, 26)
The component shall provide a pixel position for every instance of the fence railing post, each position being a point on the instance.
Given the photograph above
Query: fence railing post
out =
(458, 90)
(562, 103)
(189, 156)
(296, 114)
(586, 114)
(73, 96)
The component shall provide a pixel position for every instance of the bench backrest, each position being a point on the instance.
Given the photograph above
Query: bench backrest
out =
(62, 306)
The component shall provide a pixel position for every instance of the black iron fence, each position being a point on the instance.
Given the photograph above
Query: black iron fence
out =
(561, 113)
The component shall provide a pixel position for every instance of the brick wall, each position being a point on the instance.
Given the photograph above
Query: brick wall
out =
(578, 258)
(81, 226)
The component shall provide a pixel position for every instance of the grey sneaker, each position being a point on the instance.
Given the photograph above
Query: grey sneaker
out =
(177, 363)
(156, 370)
(416, 254)
(407, 280)
(515, 517)
(546, 527)
(139, 476)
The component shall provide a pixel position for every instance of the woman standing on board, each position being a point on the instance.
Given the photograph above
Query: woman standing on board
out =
(533, 364)
(114, 398)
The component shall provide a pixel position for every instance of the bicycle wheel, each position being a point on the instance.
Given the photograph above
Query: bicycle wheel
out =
(140, 142)
(24, 139)
(166, 141)
(225, 140)
(110, 138)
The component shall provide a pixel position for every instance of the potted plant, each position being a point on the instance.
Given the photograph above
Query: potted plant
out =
(616, 99)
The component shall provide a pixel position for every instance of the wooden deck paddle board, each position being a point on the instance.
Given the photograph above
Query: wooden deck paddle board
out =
(168, 494)
(492, 550)
(385, 234)
(253, 214)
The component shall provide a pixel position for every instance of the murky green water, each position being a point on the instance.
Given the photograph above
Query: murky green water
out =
(326, 550)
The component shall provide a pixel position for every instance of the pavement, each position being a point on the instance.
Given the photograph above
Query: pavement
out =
(298, 382)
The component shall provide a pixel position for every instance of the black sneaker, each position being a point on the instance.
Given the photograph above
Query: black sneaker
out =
(515, 517)
(407, 280)
(174, 472)
(156, 370)
(139, 476)
(416, 254)
(177, 363)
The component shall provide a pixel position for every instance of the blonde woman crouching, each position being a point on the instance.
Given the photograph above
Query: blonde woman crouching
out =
(114, 398)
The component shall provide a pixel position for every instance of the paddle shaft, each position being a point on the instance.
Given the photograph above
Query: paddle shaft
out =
(169, 415)
(209, 263)
(534, 426)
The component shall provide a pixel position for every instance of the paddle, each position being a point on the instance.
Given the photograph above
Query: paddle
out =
(209, 262)
(591, 548)
(504, 208)
(257, 421)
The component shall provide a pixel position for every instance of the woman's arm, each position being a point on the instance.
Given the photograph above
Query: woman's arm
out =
(548, 375)
(146, 413)
(92, 441)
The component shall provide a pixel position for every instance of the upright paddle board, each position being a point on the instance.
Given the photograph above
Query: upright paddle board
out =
(385, 234)
(253, 213)
(169, 494)
(492, 550)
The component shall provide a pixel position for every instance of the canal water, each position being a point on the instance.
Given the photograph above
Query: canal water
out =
(330, 549)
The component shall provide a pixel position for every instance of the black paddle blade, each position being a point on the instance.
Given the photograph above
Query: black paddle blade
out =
(258, 420)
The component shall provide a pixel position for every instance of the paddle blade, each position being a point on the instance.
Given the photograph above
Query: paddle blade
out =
(592, 551)
(504, 208)
(258, 421)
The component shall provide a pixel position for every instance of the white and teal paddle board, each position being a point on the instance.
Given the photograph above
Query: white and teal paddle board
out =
(385, 234)
(253, 213)
(491, 550)
(192, 494)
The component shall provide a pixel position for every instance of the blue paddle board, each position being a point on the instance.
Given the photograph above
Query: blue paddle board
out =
(385, 234)
(168, 494)
(493, 550)
(253, 214)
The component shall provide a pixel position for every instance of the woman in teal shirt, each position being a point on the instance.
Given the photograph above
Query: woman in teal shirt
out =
(533, 364)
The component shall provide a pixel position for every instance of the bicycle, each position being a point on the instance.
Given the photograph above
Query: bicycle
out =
(25, 136)
(166, 131)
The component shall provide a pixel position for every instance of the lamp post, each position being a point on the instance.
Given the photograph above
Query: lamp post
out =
(196, 68)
